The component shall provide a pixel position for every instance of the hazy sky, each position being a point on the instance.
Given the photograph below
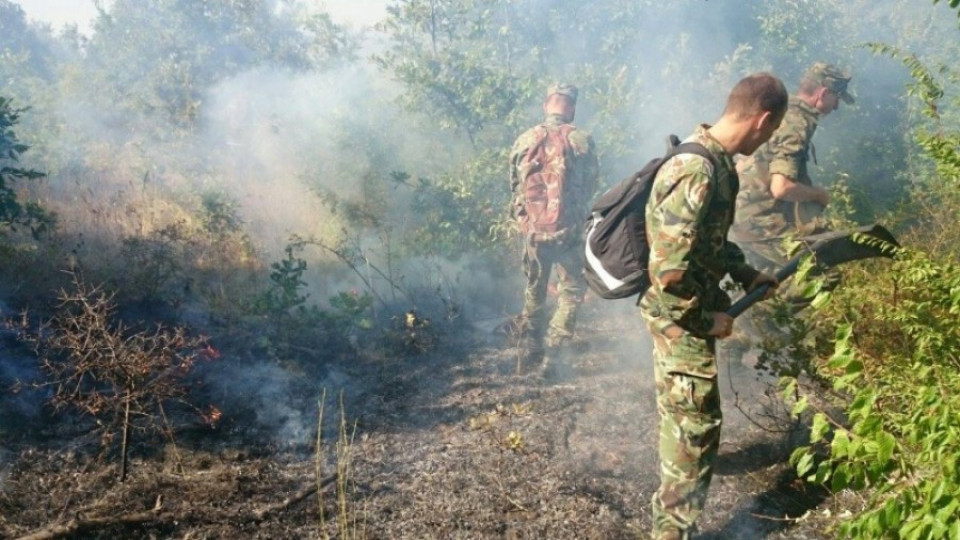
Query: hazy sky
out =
(60, 12)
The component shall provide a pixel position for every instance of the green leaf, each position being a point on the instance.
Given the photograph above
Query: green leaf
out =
(891, 514)
(885, 447)
(805, 464)
(797, 454)
(840, 445)
(948, 511)
(868, 426)
(911, 530)
(788, 388)
(800, 406)
(938, 491)
(822, 299)
(845, 381)
(824, 472)
(820, 428)
(938, 529)
(840, 479)
(854, 367)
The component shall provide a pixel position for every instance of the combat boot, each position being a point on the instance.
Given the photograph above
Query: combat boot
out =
(555, 365)
(531, 356)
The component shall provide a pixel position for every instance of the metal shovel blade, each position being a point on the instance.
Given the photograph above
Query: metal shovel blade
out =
(829, 249)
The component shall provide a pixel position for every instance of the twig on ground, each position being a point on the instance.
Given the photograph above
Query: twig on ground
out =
(82, 524)
(786, 519)
(263, 512)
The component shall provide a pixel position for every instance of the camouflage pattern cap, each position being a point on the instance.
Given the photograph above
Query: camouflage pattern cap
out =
(833, 78)
(563, 89)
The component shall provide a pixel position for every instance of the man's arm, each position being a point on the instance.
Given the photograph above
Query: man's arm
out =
(679, 214)
(788, 154)
(515, 155)
(586, 172)
(736, 265)
(785, 189)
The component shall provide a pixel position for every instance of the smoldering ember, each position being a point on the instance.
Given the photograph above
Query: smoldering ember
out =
(292, 269)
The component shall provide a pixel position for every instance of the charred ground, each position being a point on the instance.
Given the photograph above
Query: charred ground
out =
(448, 444)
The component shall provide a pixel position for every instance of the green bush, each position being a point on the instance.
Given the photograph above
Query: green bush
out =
(896, 356)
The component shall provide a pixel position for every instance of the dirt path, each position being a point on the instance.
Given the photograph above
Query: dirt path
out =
(447, 445)
(494, 455)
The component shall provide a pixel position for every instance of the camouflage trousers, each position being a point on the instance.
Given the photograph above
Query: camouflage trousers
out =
(539, 259)
(690, 421)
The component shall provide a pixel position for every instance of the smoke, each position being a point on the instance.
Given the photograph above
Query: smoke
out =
(277, 140)
(277, 404)
(274, 138)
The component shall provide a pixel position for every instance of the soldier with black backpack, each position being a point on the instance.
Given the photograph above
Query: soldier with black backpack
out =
(688, 215)
(553, 175)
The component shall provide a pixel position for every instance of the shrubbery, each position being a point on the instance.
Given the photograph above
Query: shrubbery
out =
(124, 378)
(896, 357)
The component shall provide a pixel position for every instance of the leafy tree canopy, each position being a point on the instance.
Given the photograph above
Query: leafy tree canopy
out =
(161, 55)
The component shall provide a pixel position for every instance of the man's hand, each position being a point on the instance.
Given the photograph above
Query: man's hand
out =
(785, 189)
(722, 325)
(760, 280)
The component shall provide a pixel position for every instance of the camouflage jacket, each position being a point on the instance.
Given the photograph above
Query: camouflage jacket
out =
(759, 214)
(688, 216)
(580, 182)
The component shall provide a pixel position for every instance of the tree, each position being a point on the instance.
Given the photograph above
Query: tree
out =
(22, 48)
(14, 212)
(157, 58)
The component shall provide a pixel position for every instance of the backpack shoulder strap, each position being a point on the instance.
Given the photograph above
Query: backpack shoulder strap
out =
(686, 148)
(694, 148)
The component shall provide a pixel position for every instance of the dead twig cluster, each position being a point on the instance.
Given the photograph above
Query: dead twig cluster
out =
(119, 376)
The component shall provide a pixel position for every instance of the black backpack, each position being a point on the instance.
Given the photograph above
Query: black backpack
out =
(616, 249)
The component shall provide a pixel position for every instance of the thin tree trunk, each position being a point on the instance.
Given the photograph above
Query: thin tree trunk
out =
(125, 442)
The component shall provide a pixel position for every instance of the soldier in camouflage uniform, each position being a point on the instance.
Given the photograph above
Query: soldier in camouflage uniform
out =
(689, 213)
(562, 251)
(778, 202)
(777, 197)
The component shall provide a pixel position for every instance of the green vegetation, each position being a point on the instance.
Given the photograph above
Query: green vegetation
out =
(896, 354)
(13, 211)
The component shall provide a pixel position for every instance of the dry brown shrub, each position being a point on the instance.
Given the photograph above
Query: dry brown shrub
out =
(122, 377)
